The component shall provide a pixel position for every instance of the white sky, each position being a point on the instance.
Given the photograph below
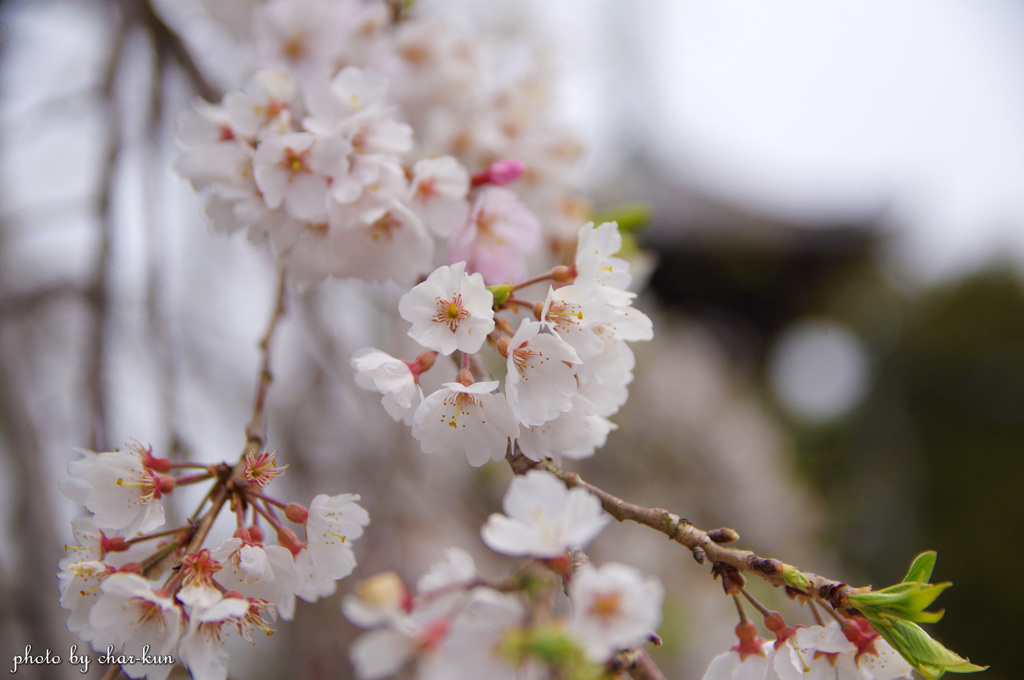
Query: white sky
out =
(819, 108)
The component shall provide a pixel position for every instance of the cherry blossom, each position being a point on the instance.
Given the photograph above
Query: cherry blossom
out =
(129, 614)
(496, 238)
(544, 519)
(596, 266)
(540, 382)
(393, 378)
(614, 608)
(118, 488)
(256, 571)
(202, 648)
(576, 433)
(438, 193)
(469, 419)
(451, 310)
(333, 522)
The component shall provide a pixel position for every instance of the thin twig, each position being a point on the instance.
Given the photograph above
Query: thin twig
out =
(99, 291)
(697, 540)
(255, 431)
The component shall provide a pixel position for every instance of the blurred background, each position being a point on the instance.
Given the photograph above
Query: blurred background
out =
(835, 281)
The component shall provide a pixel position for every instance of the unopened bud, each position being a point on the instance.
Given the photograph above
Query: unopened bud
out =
(385, 590)
(287, 538)
(561, 565)
(563, 274)
(503, 171)
(723, 535)
(774, 622)
(502, 347)
(700, 555)
(256, 534)
(296, 513)
(424, 362)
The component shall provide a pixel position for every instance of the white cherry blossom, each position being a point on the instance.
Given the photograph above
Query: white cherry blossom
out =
(467, 419)
(733, 665)
(540, 382)
(576, 433)
(575, 313)
(202, 648)
(544, 519)
(116, 486)
(331, 525)
(451, 310)
(131, 615)
(256, 571)
(596, 266)
(393, 378)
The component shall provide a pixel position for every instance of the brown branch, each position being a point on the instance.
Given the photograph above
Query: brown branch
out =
(701, 543)
(170, 43)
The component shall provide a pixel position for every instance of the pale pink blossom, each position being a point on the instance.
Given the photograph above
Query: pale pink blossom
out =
(438, 193)
(613, 608)
(385, 242)
(283, 168)
(497, 237)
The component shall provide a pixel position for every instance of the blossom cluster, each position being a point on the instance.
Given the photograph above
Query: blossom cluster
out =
(109, 581)
(456, 625)
(566, 369)
(846, 649)
(318, 154)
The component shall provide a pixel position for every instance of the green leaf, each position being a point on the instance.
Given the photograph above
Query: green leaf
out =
(923, 652)
(631, 216)
(795, 578)
(921, 569)
(501, 292)
(894, 613)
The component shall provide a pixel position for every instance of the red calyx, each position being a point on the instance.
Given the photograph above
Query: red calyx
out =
(749, 643)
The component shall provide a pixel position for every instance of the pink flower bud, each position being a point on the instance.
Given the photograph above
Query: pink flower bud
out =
(296, 513)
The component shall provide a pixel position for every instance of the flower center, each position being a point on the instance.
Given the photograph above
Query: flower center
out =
(606, 606)
(451, 312)
(295, 163)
